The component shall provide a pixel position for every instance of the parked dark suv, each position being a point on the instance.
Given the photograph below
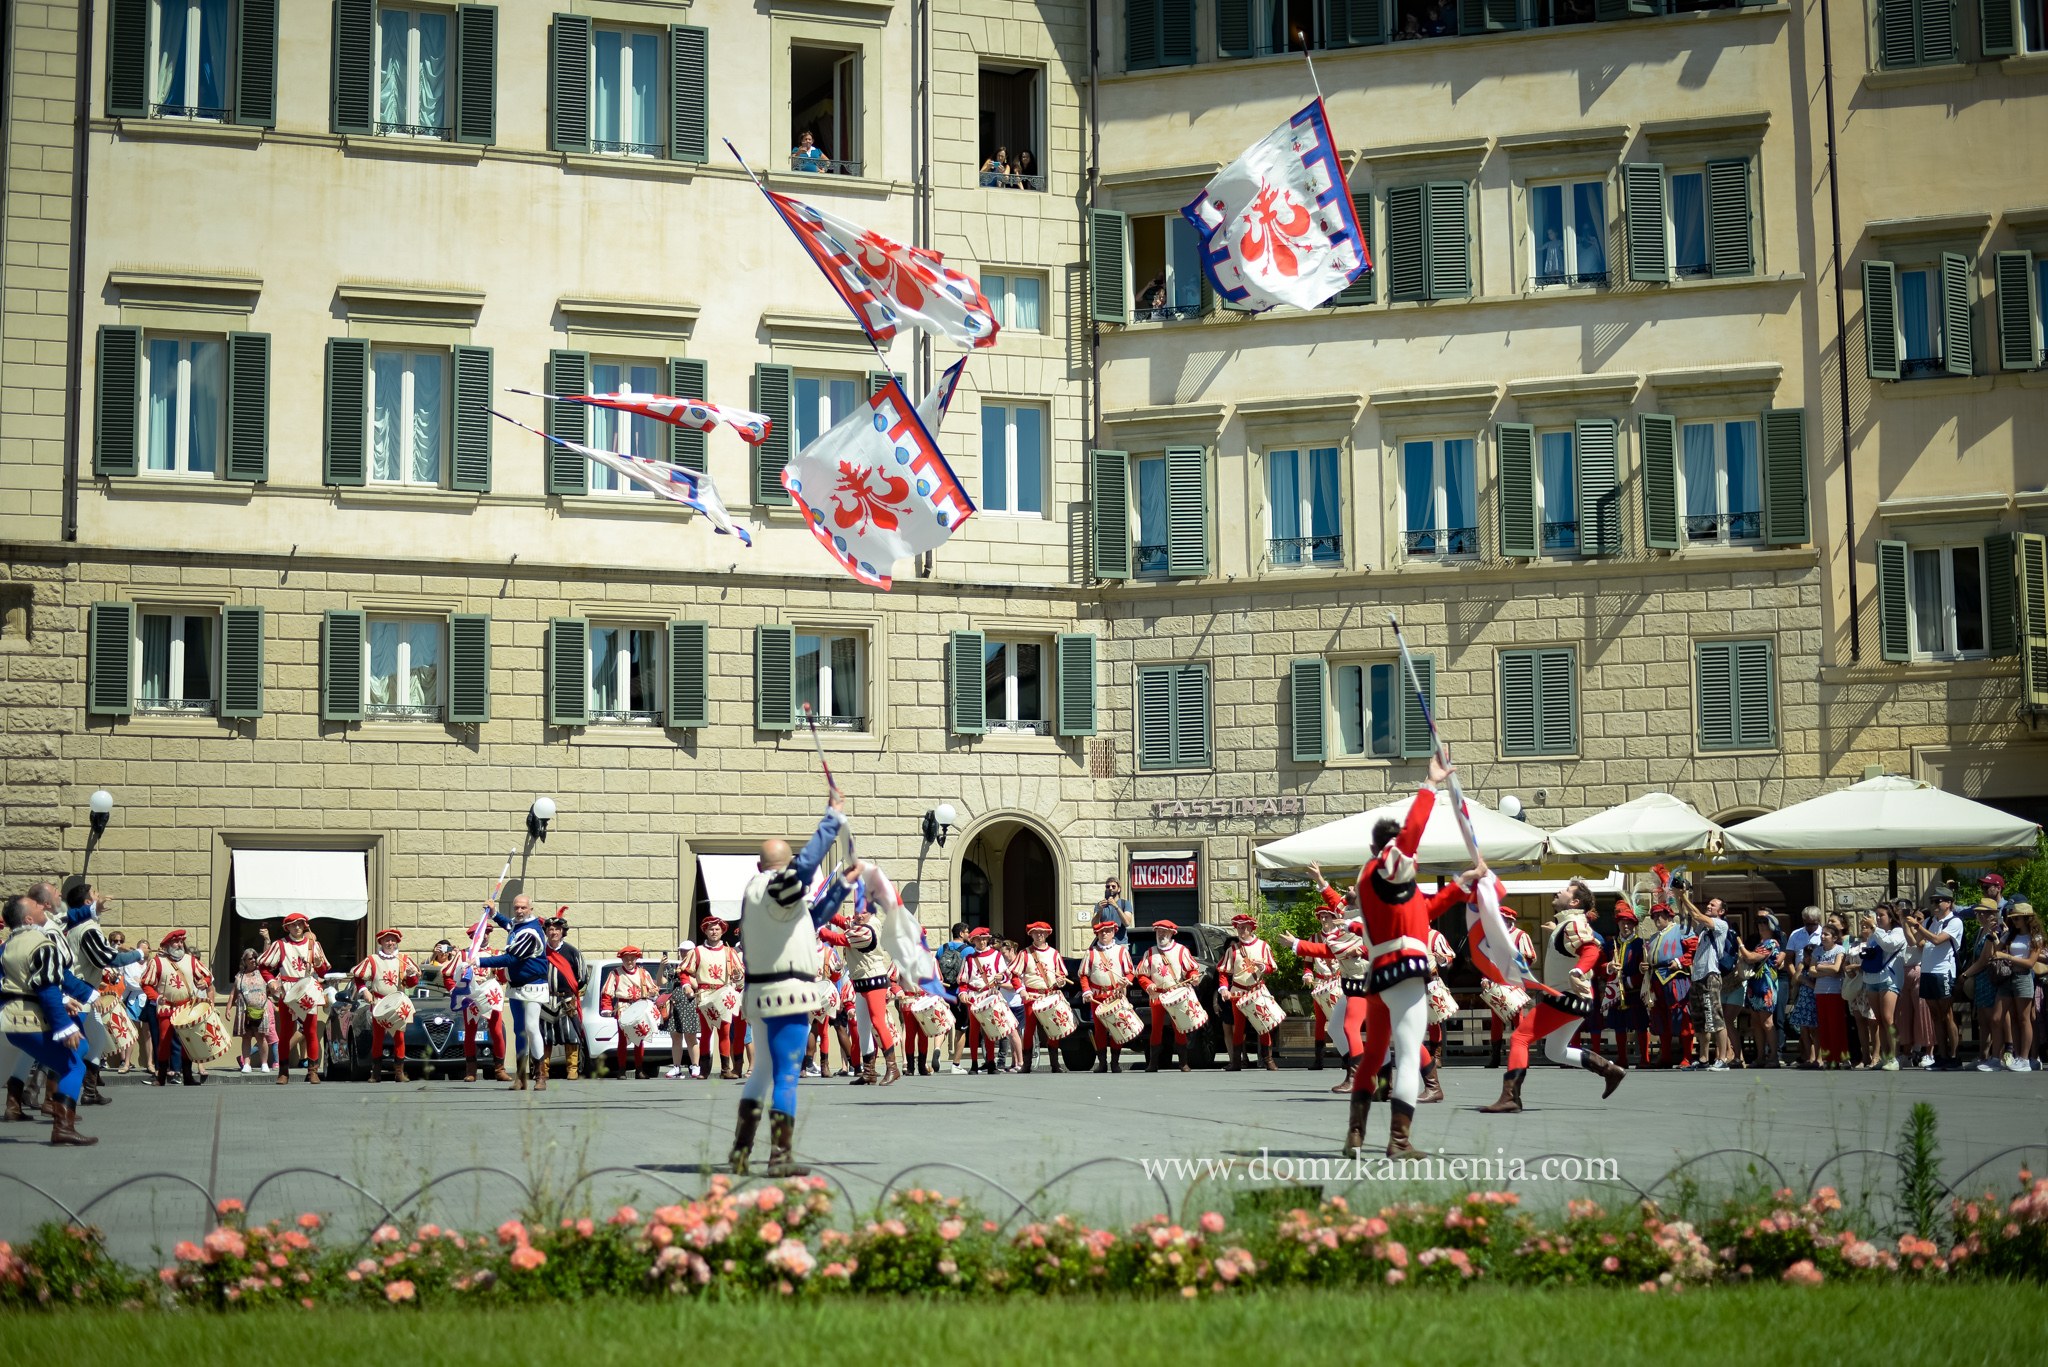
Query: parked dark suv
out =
(433, 1042)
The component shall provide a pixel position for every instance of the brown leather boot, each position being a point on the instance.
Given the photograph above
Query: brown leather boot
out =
(1101, 1066)
(520, 1084)
(64, 1128)
(499, 1074)
(574, 1069)
(376, 1067)
(1053, 1060)
(1397, 1134)
(540, 1075)
(866, 1076)
(1350, 1070)
(619, 1062)
(17, 1092)
(92, 1095)
(1266, 1052)
(1432, 1088)
(781, 1140)
(1354, 1132)
(1116, 1058)
(1510, 1102)
(1613, 1072)
(469, 1070)
(744, 1128)
(892, 1074)
(1236, 1063)
(284, 1074)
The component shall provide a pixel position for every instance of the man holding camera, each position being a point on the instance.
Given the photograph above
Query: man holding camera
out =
(1936, 935)
(1716, 943)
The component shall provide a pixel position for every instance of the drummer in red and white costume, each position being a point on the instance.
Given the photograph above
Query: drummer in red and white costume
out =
(1559, 1003)
(981, 971)
(1044, 974)
(175, 977)
(293, 967)
(627, 982)
(710, 968)
(1442, 1007)
(1167, 965)
(1344, 948)
(1243, 971)
(833, 1018)
(1106, 973)
(483, 1008)
(388, 974)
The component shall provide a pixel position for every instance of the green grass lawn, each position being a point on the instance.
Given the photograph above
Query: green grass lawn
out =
(1830, 1324)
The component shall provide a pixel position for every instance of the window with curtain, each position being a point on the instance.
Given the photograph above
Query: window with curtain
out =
(828, 677)
(188, 59)
(1945, 586)
(625, 676)
(408, 416)
(1013, 687)
(1304, 507)
(412, 72)
(1013, 459)
(405, 680)
(1557, 494)
(1440, 503)
(184, 388)
(1016, 300)
(176, 664)
(626, 434)
(822, 401)
(1148, 524)
(1166, 268)
(1689, 223)
(1568, 233)
(625, 86)
(1919, 320)
(1365, 699)
(1721, 481)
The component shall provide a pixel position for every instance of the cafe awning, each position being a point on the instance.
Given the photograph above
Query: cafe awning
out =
(332, 885)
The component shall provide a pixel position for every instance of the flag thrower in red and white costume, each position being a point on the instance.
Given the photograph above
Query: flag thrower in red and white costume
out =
(1325, 981)
(1241, 984)
(1045, 1008)
(1560, 1003)
(1169, 974)
(293, 967)
(387, 978)
(1107, 973)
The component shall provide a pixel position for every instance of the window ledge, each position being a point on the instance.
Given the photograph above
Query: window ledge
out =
(850, 742)
(411, 149)
(402, 496)
(412, 733)
(2022, 64)
(795, 182)
(1359, 762)
(645, 737)
(1919, 75)
(1010, 743)
(2032, 379)
(176, 486)
(1934, 384)
(1766, 752)
(186, 130)
(649, 506)
(1930, 671)
(169, 726)
(653, 168)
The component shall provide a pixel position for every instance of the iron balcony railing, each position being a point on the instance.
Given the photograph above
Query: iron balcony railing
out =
(624, 716)
(1441, 541)
(1307, 550)
(190, 707)
(413, 130)
(403, 711)
(1725, 526)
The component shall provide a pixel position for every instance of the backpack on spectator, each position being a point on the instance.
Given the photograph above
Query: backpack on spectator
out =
(950, 960)
(1725, 951)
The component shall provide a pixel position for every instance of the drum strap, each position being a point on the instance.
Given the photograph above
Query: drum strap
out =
(791, 976)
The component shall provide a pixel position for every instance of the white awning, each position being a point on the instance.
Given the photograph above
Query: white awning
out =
(332, 884)
(725, 881)
(1609, 882)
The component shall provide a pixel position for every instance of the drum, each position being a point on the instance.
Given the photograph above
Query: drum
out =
(636, 1022)
(305, 998)
(1328, 993)
(720, 1006)
(934, 1014)
(200, 1031)
(120, 1029)
(1120, 1019)
(1442, 1005)
(1261, 1010)
(1184, 1010)
(1504, 1001)
(993, 1012)
(487, 995)
(393, 1011)
(1054, 1016)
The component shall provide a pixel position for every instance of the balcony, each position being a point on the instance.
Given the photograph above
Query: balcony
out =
(1561, 538)
(606, 146)
(1581, 278)
(1724, 527)
(1440, 543)
(206, 113)
(176, 707)
(436, 131)
(1292, 551)
(402, 711)
(1149, 557)
(998, 726)
(623, 716)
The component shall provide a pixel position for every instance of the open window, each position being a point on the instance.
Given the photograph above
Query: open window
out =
(824, 110)
(1166, 269)
(1012, 129)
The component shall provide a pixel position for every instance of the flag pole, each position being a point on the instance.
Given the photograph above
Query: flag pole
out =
(1311, 65)
(831, 783)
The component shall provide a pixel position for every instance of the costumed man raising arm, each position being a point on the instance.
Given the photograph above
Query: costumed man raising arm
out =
(1560, 1003)
(525, 963)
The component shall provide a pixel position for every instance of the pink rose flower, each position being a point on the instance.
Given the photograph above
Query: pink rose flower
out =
(770, 1198)
(309, 1221)
(398, 1291)
(585, 1228)
(526, 1257)
(1804, 1273)
(1395, 1276)
(625, 1215)
(224, 1242)
(771, 1232)
(949, 1230)
(512, 1232)
(384, 1234)
(1610, 1264)
(661, 1236)
(188, 1252)
(1212, 1223)
(228, 1207)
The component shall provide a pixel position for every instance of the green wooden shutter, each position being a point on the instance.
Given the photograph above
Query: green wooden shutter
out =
(1074, 662)
(966, 683)
(352, 102)
(1307, 687)
(241, 662)
(1894, 612)
(689, 675)
(345, 442)
(1360, 290)
(1597, 474)
(248, 443)
(1109, 248)
(774, 395)
(568, 472)
(2033, 614)
(1940, 36)
(469, 668)
(476, 74)
(774, 678)
(569, 84)
(341, 666)
(2002, 593)
(1155, 717)
(1898, 39)
(1234, 28)
(1450, 239)
(1191, 717)
(1881, 320)
(1996, 27)
(1176, 32)
(689, 66)
(1958, 337)
(1607, 10)
(1784, 440)
(1729, 249)
(1407, 243)
(1356, 23)
(878, 380)
(1649, 243)
(1658, 433)
(568, 672)
(1519, 732)
(687, 379)
(1417, 708)
(1714, 693)
(117, 402)
(2018, 312)
(128, 59)
(471, 468)
(1187, 511)
(1489, 16)
(1557, 694)
(1141, 34)
(255, 63)
(1516, 444)
(1756, 709)
(110, 660)
(1109, 504)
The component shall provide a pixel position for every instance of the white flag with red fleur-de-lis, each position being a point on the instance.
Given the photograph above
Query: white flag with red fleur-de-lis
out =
(1277, 224)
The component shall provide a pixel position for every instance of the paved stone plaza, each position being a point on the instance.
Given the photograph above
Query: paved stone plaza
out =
(1021, 1131)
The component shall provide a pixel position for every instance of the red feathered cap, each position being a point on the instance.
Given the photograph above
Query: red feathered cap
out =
(708, 922)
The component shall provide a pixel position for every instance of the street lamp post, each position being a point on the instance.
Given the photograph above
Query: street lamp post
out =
(538, 816)
(938, 823)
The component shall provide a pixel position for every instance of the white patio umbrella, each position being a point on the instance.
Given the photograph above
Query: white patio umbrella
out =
(1347, 841)
(1654, 828)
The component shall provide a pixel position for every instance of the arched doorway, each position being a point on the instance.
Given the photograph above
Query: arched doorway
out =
(1029, 879)
(1010, 875)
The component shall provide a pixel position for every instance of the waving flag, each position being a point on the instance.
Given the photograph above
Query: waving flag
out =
(887, 284)
(1277, 224)
(695, 414)
(676, 483)
(874, 489)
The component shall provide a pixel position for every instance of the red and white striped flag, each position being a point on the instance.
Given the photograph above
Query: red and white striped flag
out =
(694, 414)
(887, 284)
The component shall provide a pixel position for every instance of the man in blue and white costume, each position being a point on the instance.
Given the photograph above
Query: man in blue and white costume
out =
(525, 962)
(34, 1015)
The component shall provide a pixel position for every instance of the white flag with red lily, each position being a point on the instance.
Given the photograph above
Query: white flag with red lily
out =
(1277, 224)
(887, 284)
(695, 414)
(676, 483)
(875, 489)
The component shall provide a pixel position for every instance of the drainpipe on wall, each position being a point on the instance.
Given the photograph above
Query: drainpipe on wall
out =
(1094, 178)
(921, 191)
(74, 345)
(1827, 73)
